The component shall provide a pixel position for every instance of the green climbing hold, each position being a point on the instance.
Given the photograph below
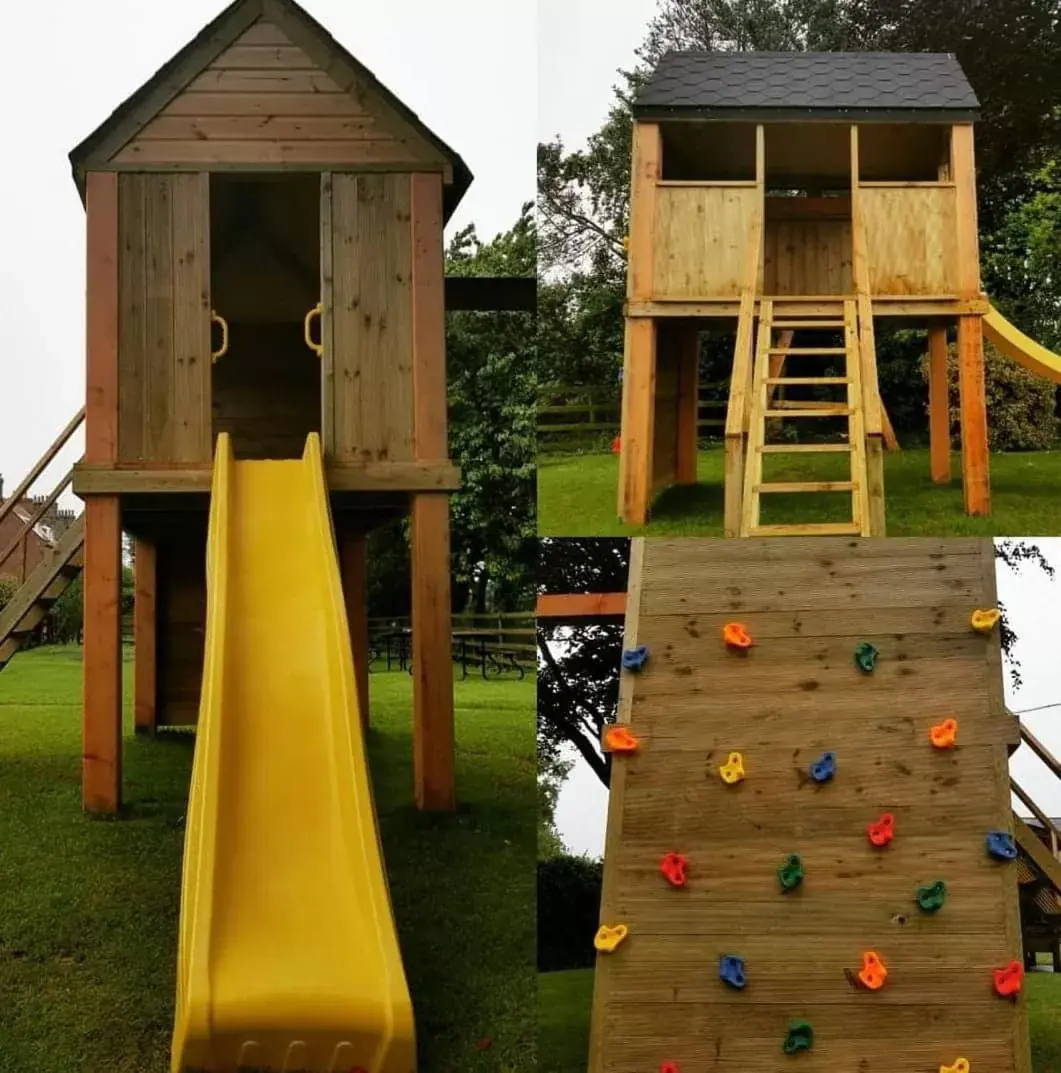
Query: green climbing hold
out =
(866, 657)
(800, 1037)
(790, 873)
(930, 898)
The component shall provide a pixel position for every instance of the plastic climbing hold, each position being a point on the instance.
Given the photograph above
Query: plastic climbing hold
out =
(635, 658)
(673, 868)
(790, 874)
(617, 445)
(961, 1065)
(800, 1037)
(944, 735)
(731, 971)
(930, 899)
(618, 739)
(736, 636)
(866, 657)
(669, 1067)
(873, 972)
(1001, 846)
(985, 621)
(608, 937)
(824, 769)
(1008, 980)
(883, 831)
(732, 771)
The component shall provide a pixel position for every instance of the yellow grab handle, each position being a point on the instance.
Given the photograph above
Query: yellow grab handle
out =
(216, 318)
(317, 348)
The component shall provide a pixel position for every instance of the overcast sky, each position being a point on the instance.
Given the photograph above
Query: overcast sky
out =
(1033, 603)
(468, 68)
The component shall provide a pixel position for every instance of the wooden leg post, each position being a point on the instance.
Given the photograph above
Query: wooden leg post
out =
(938, 405)
(638, 428)
(353, 565)
(432, 654)
(145, 637)
(976, 476)
(688, 403)
(101, 761)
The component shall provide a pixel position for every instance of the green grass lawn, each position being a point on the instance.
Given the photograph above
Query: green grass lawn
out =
(88, 907)
(565, 999)
(577, 496)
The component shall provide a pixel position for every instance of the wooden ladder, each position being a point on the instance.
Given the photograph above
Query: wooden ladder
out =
(770, 357)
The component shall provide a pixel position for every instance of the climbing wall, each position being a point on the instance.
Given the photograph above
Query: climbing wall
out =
(797, 694)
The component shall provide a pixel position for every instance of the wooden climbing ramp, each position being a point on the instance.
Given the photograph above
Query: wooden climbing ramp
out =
(798, 693)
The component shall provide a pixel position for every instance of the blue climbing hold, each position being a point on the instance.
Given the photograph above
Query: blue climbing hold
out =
(635, 658)
(1001, 846)
(731, 971)
(824, 769)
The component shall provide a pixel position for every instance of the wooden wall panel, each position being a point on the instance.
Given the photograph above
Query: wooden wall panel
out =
(665, 426)
(368, 314)
(164, 319)
(911, 239)
(265, 101)
(181, 625)
(794, 695)
(701, 240)
(808, 257)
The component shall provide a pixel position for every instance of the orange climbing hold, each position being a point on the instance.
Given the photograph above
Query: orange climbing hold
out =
(618, 739)
(736, 636)
(961, 1065)
(985, 621)
(608, 937)
(617, 445)
(1008, 980)
(732, 771)
(673, 868)
(873, 972)
(945, 735)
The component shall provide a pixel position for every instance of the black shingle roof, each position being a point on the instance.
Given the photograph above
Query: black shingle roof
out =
(914, 85)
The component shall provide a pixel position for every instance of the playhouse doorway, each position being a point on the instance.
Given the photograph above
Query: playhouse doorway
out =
(265, 277)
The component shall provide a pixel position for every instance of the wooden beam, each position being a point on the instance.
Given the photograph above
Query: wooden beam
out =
(353, 566)
(145, 636)
(688, 354)
(101, 759)
(581, 605)
(976, 476)
(963, 165)
(101, 322)
(638, 422)
(646, 169)
(938, 405)
(433, 760)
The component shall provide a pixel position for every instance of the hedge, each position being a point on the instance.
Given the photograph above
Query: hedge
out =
(569, 891)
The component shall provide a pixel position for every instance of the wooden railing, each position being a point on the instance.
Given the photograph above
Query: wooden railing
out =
(1054, 765)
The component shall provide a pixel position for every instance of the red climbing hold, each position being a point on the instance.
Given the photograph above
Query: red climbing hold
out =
(669, 1067)
(883, 831)
(617, 445)
(673, 868)
(1008, 980)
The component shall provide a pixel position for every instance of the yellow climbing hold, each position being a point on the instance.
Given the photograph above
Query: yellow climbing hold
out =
(985, 621)
(732, 771)
(609, 937)
(961, 1065)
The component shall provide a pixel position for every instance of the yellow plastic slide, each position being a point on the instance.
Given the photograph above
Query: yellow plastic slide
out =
(1012, 342)
(288, 957)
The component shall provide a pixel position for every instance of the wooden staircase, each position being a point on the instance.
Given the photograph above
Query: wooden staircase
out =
(31, 603)
(789, 317)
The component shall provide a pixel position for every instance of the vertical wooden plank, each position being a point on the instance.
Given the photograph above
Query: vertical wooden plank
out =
(101, 352)
(191, 371)
(328, 381)
(101, 757)
(638, 425)
(432, 654)
(145, 636)
(938, 405)
(963, 167)
(133, 341)
(159, 417)
(343, 333)
(647, 166)
(688, 402)
(976, 476)
(353, 566)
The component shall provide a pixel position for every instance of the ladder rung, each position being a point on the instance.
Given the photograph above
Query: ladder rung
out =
(807, 486)
(817, 529)
(821, 411)
(808, 380)
(808, 350)
(808, 324)
(805, 448)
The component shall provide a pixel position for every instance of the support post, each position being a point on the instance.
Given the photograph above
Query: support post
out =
(145, 637)
(938, 405)
(101, 757)
(688, 348)
(639, 419)
(976, 476)
(353, 566)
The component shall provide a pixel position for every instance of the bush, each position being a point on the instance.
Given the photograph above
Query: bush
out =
(8, 588)
(569, 891)
(68, 614)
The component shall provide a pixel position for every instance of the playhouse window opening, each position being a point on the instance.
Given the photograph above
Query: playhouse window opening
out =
(701, 151)
(265, 278)
(913, 152)
(808, 159)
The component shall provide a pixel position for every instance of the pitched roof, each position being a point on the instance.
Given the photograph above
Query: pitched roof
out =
(915, 86)
(170, 79)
